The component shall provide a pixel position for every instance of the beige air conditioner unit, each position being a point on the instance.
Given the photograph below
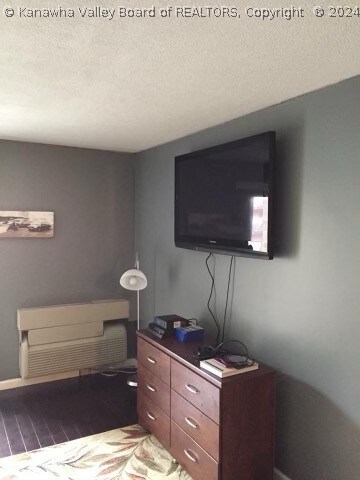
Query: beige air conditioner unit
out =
(64, 338)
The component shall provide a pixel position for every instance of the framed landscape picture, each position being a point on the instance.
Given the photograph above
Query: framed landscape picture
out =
(22, 224)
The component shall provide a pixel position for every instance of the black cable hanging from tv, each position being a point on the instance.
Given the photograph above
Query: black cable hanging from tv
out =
(213, 315)
(210, 296)
(227, 298)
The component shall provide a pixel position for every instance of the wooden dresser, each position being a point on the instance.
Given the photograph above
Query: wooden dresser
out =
(216, 429)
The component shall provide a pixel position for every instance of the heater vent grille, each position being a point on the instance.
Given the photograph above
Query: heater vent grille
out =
(96, 352)
(54, 348)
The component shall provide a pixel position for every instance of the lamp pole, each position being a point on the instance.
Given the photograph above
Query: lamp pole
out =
(134, 279)
(138, 309)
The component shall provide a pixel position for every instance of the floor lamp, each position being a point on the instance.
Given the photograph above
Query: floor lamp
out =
(134, 279)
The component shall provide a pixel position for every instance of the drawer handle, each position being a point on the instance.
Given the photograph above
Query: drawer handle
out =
(192, 389)
(151, 388)
(151, 360)
(191, 455)
(191, 422)
(151, 416)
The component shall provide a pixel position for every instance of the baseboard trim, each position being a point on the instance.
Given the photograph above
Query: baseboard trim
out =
(279, 475)
(21, 382)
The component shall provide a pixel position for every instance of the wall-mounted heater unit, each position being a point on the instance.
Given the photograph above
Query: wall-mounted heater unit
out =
(64, 338)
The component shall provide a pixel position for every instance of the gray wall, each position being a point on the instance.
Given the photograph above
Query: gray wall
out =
(92, 195)
(300, 312)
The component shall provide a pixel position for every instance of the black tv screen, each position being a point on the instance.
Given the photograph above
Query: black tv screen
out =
(223, 197)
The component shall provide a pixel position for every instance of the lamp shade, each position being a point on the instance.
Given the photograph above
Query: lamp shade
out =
(133, 279)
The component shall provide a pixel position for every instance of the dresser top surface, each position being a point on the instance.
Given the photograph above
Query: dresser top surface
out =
(185, 353)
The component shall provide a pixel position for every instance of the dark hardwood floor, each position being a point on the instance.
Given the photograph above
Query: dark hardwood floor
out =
(41, 415)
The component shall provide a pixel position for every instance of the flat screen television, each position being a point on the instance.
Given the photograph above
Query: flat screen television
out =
(224, 198)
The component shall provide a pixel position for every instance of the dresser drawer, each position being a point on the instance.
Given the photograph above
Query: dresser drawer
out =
(193, 458)
(155, 389)
(204, 431)
(195, 389)
(154, 360)
(152, 418)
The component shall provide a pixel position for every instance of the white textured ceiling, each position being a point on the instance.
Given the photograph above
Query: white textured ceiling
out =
(130, 84)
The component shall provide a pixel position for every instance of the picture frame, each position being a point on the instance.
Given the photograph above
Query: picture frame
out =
(26, 224)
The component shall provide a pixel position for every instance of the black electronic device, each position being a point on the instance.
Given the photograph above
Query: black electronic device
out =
(224, 198)
(169, 322)
(157, 331)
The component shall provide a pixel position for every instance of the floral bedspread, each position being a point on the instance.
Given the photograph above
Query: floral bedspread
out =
(128, 453)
